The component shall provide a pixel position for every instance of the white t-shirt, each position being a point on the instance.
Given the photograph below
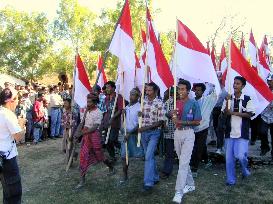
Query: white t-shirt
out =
(8, 126)
(132, 116)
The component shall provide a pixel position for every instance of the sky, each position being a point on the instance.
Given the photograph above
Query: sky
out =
(201, 16)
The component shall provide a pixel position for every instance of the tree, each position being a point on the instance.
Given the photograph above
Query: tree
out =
(23, 40)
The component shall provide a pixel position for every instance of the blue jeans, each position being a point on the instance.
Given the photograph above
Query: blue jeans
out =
(37, 134)
(133, 150)
(56, 116)
(236, 148)
(149, 140)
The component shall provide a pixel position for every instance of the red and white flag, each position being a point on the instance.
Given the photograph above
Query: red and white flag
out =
(252, 50)
(263, 67)
(213, 57)
(122, 46)
(159, 67)
(256, 88)
(81, 83)
(192, 59)
(265, 49)
(242, 46)
(103, 79)
(140, 66)
(223, 60)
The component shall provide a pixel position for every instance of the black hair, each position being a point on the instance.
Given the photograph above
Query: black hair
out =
(111, 83)
(68, 100)
(186, 83)
(152, 84)
(97, 88)
(55, 86)
(93, 97)
(242, 79)
(5, 94)
(40, 94)
(59, 83)
(203, 86)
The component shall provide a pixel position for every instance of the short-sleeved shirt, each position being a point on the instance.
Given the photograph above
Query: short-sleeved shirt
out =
(8, 126)
(267, 114)
(153, 111)
(132, 116)
(109, 104)
(93, 117)
(190, 110)
(38, 111)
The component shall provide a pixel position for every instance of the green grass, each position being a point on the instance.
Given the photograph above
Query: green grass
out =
(45, 181)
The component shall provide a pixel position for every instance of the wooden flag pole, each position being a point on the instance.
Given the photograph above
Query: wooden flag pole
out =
(144, 81)
(175, 64)
(69, 154)
(124, 122)
(228, 72)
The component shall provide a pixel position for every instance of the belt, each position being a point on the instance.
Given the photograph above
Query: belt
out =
(184, 128)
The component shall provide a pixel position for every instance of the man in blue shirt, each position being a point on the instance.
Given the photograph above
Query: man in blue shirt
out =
(186, 116)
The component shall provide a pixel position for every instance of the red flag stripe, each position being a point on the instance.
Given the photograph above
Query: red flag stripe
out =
(83, 77)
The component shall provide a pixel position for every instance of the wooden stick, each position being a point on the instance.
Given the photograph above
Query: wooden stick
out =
(124, 122)
(71, 156)
(144, 80)
(175, 64)
(228, 72)
(69, 143)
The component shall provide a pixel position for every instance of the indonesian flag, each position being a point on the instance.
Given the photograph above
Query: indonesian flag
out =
(213, 58)
(265, 49)
(263, 67)
(103, 79)
(192, 59)
(256, 88)
(159, 67)
(242, 46)
(122, 44)
(123, 47)
(81, 83)
(140, 66)
(223, 60)
(252, 50)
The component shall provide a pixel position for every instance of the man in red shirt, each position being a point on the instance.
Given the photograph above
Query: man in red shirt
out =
(38, 117)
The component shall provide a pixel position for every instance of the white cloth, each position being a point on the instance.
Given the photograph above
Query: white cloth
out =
(93, 118)
(55, 100)
(236, 121)
(8, 126)
(206, 104)
(132, 116)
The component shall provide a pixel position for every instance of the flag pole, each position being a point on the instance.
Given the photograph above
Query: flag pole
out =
(228, 71)
(68, 155)
(124, 122)
(107, 51)
(145, 78)
(175, 64)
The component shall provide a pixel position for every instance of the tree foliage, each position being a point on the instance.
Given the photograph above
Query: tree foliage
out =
(24, 40)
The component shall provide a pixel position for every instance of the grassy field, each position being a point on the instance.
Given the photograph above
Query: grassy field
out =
(45, 181)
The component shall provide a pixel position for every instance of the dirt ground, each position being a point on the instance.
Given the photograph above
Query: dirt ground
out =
(45, 181)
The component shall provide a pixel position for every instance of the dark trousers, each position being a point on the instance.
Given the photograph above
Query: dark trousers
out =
(169, 156)
(254, 125)
(218, 131)
(113, 142)
(11, 182)
(199, 149)
(264, 136)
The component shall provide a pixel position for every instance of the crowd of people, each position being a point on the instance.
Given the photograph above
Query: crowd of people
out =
(111, 122)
